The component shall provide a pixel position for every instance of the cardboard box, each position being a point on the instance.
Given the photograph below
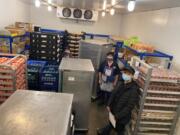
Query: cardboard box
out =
(4, 49)
(15, 31)
(117, 38)
(26, 26)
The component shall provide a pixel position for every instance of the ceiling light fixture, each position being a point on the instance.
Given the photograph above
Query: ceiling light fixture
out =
(103, 14)
(50, 1)
(112, 11)
(49, 8)
(37, 3)
(131, 5)
(113, 2)
(104, 4)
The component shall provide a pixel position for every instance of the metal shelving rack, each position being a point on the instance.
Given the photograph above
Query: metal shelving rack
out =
(159, 106)
(141, 55)
(52, 31)
(87, 35)
(11, 39)
(92, 36)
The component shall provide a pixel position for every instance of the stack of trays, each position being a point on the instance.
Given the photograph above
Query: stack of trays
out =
(46, 46)
(161, 104)
(73, 41)
(12, 75)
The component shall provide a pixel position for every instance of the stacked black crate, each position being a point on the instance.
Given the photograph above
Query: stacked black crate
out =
(73, 41)
(46, 46)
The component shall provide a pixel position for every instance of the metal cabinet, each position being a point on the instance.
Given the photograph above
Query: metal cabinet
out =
(36, 113)
(95, 50)
(76, 77)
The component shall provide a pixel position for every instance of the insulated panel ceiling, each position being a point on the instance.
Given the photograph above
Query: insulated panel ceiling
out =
(147, 5)
(141, 5)
(84, 4)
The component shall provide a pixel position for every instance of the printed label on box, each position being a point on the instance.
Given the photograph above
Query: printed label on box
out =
(71, 78)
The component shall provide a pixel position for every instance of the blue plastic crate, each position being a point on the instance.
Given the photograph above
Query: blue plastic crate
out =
(52, 64)
(33, 77)
(49, 79)
(34, 70)
(33, 86)
(36, 63)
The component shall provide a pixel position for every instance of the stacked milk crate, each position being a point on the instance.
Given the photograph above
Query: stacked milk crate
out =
(12, 75)
(43, 75)
(73, 41)
(49, 78)
(159, 107)
(45, 46)
(34, 71)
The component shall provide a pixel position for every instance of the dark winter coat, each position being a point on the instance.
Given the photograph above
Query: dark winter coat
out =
(122, 102)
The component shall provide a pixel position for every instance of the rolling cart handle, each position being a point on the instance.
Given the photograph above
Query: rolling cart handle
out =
(136, 60)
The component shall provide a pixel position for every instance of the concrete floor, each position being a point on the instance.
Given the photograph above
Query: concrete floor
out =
(98, 118)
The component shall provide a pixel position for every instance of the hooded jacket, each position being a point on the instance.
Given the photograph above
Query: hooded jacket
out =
(123, 101)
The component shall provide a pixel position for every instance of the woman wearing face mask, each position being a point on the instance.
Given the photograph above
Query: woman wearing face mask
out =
(121, 103)
(108, 77)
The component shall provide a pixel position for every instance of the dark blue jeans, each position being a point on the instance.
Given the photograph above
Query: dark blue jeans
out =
(108, 128)
(104, 96)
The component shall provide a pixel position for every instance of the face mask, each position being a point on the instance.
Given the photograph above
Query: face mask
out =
(110, 63)
(126, 77)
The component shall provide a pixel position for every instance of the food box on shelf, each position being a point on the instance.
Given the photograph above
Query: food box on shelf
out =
(117, 38)
(18, 47)
(4, 48)
(15, 31)
(26, 26)
(130, 41)
(142, 47)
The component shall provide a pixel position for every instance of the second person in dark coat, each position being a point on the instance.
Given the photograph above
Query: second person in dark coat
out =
(121, 103)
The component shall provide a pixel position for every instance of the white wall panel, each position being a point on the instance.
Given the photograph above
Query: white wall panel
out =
(160, 28)
(12, 11)
(106, 25)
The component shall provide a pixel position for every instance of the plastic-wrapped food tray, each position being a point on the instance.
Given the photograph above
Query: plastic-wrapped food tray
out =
(12, 74)
(162, 75)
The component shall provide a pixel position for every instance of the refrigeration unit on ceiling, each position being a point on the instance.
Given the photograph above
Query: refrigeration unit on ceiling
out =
(77, 14)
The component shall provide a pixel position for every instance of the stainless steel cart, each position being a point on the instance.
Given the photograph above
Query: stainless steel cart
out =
(95, 50)
(76, 76)
(36, 113)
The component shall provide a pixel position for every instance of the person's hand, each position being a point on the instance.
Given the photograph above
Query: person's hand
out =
(108, 108)
(100, 81)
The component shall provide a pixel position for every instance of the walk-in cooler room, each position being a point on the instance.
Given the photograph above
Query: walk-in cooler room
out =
(89, 67)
